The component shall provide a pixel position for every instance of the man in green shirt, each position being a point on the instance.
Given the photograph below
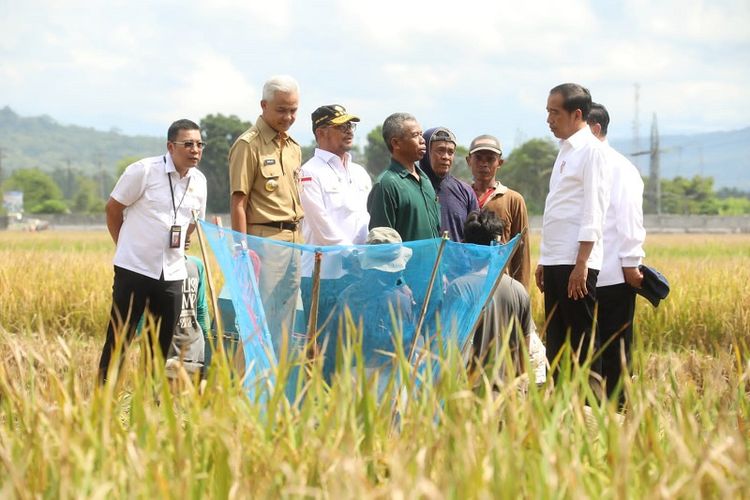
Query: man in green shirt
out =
(403, 197)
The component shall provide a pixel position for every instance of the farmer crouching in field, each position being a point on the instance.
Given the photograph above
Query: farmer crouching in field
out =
(148, 217)
(188, 349)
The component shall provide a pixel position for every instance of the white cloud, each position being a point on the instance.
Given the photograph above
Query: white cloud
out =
(219, 87)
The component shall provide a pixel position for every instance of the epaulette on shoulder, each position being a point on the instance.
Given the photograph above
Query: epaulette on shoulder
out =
(249, 135)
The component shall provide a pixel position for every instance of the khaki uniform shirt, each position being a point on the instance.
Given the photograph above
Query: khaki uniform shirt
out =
(268, 173)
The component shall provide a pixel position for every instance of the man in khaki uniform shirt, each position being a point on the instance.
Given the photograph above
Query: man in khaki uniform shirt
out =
(264, 165)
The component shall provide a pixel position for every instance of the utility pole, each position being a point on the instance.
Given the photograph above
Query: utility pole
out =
(654, 176)
(1, 164)
(68, 181)
(654, 170)
(636, 121)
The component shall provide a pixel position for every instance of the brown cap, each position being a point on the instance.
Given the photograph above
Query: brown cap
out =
(486, 142)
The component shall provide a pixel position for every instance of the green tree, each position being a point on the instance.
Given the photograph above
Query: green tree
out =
(528, 169)
(50, 207)
(37, 187)
(377, 156)
(689, 196)
(123, 163)
(219, 132)
(86, 199)
(460, 168)
(308, 151)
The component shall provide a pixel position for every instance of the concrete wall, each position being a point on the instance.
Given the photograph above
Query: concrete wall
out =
(683, 223)
(654, 223)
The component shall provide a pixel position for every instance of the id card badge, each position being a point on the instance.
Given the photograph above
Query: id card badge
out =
(175, 233)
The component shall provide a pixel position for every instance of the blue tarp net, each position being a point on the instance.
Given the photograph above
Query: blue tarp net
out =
(383, 287)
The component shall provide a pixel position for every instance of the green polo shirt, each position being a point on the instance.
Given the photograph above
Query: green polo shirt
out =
(406, 204)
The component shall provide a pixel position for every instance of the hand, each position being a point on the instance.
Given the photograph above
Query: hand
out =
(539, 277)
(633, 276)
(577, 282)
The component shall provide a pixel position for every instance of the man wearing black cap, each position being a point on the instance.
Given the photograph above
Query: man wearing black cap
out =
(456, 198)
(485, 158)
(334, 198)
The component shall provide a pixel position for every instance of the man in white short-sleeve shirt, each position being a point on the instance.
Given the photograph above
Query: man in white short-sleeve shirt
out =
(334, 198)
(624, 236)
(149, 216)
(571, 246)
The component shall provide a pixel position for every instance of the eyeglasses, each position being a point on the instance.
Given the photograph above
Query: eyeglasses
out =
(190, 144)
(345, 127)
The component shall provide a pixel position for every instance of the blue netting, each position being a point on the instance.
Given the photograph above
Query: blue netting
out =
(382, 287)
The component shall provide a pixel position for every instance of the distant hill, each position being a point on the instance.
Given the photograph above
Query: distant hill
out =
(42, 142)
(725, 156)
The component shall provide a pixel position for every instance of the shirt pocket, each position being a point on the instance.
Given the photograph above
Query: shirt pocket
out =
(334, 195)
(270, 167)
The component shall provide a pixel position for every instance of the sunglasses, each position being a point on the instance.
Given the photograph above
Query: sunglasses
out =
(190, 144)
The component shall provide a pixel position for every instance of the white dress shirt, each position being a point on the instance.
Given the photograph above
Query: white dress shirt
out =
(334, 198)
(623, 227)
(577, 201)
(143, 243)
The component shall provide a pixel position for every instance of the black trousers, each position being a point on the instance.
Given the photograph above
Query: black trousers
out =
(132, 293)
(566, 316)
(616, 310)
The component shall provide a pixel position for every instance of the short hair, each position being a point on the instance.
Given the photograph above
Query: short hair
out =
(279, 83)
(393, 127)
(184, 124)
(574, 97)
(599, 114)
(483, 227)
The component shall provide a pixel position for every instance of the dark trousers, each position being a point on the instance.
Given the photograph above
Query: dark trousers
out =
(616, 310)
(566, 316)
(132, 293)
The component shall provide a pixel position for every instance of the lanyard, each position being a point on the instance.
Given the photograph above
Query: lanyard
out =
(171, 190)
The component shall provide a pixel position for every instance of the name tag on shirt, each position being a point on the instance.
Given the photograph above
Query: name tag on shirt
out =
(269, 161)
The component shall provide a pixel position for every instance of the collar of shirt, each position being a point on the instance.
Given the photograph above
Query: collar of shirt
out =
(499, 188)
(169, 167)
(579, 139)
(267, 133)
(332, 158)
(399, 169)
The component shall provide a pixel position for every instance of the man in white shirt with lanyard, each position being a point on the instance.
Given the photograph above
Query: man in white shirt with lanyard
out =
(624, 236)
(149, 216)
(571, 246)
(334, 198)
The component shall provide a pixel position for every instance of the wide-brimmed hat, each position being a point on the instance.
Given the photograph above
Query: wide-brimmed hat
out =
(387, 252)
(655, 286)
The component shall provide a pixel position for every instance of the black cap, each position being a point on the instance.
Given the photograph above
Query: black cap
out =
(331, 114)
(655, 286)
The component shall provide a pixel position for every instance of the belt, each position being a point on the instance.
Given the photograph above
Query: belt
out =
(283, 225)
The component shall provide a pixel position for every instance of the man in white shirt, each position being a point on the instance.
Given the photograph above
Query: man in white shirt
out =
(571, 246)
(623, 250)
(334, 198)
(149, 216)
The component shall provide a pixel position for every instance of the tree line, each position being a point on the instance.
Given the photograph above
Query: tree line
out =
(527, 170)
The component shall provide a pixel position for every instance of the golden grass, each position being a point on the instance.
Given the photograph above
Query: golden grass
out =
(687, 433)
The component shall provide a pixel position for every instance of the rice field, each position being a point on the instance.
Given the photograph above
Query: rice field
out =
(686, 433)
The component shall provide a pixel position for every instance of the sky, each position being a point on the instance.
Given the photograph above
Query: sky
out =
(474, 66)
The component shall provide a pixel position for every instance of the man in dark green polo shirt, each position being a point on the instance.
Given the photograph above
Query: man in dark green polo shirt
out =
(403, 197)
